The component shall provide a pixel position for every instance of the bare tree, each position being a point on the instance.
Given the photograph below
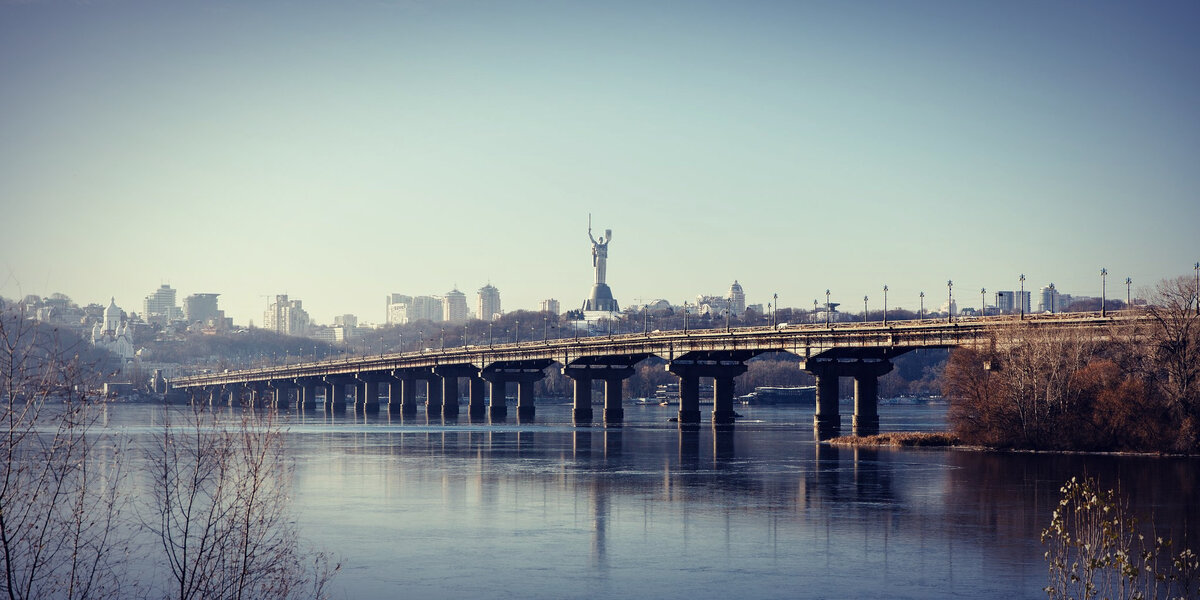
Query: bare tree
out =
(60, 479)
(1175, 343)
(221, 512)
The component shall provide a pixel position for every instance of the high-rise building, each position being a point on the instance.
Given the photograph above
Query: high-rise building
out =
(1008, 302)
(159, 308)
(200, 308)
(425, 308)
(488, 307)
(397, 309)
(737, 299)
(454, 307)
(551, 306)
(1049, 301)
(286, 316)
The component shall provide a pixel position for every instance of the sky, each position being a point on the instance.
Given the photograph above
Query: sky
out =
(342, 151)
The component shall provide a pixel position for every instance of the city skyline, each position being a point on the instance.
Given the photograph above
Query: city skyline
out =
(342, 154)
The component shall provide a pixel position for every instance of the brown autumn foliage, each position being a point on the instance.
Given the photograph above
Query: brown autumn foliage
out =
(1059, 389)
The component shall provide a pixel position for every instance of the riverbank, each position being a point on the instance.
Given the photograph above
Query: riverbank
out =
(898, 440)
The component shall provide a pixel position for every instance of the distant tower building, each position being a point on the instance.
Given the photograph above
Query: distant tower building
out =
(160, 307)
(551, 306)
(601, 299)
(397, 309)
(737, 299)
(200, 308)
(489, 303)
(286, 316)
(454, 307)
(1049, 300)
(425, 308)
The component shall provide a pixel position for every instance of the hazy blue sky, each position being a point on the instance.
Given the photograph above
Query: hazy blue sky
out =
(340, 151)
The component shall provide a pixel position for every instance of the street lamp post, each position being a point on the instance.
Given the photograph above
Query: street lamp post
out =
(1128, 293)
(517, 333)
(885, 305)
(1103, 291)
(727, 314)
(1052, 294)
(950, 297)
(685, 317)
(381, 346)
(491, 334)
(775, 311)
(983, 301)
(1021, 298)
(546, 329)
(921, 311)
(827, 308)
(443, 339)
(864, 309)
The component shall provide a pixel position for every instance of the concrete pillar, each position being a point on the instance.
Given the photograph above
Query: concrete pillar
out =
(525, 408)
(827, 420)
(368, 392)
(307, 398)
(214, 396)
(581, 411)
(613, 412)
(408, 392)
(722, 400)
(433, 396)
(498, 409)
(689, 399)
(477, 405)
(866, 395)
(449, 396)
(395, 396)
(336, 402)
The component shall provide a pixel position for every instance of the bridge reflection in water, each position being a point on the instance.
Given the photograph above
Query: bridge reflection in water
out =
(676, 513)
(485, 377)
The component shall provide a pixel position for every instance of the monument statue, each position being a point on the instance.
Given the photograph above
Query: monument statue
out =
(601, 298)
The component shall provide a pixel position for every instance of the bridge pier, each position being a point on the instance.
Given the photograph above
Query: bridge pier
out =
(306, 396)
(722, 368)
(450, 375)
(498, 400)
(524, 374)
(581, 396)
(433, 396)
(477, 404)
(214, 396)
(866, 372)
(368, 395)
(335, 398)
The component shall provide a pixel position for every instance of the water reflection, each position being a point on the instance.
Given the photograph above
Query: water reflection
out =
(651, 510)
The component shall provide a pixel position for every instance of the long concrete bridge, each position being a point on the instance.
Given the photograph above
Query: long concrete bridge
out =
(859, 350)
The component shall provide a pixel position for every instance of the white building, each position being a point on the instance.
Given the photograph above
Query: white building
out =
(397, 309)
(159, 307)
(737, 299)
(488, 304)
(286, 316)
(114, 335)
(551, 306)
(454, 307)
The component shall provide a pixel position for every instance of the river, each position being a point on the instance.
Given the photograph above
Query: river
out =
(547, 510)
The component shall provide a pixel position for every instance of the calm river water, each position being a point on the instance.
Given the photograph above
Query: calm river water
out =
(547, 510)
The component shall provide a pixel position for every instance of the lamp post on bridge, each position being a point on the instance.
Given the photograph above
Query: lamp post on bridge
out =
(1052, 294)
(885, 305)
(864, 309)
(381, 346)
(685, 317)
(1021, 298)
(827, 308)
(775, 311)
(421, 340)
(950, 297)
(546, 329)
(983, 301)
(517, 333)
(921, 310)
(1128, 293)
(491, 334)
(1103, 291)
(443, 339)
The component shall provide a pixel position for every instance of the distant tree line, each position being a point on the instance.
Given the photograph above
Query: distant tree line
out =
(1135, 389)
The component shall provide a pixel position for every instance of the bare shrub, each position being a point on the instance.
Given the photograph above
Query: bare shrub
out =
(1095, 549)
(60, 479)
(220, 504)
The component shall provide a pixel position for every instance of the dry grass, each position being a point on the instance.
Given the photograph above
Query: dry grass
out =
(898, 439)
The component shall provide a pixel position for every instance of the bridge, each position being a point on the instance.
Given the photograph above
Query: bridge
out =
(828, 351)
